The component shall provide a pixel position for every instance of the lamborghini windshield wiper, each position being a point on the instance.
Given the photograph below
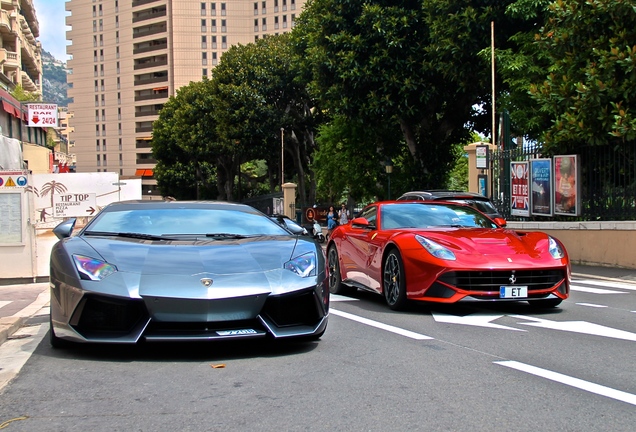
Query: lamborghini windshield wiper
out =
(228, 235)
(141, 236)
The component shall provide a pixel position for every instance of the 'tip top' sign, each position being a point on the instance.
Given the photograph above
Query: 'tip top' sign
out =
(74, 205)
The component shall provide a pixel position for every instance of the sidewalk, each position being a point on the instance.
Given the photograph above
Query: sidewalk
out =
(18, 303)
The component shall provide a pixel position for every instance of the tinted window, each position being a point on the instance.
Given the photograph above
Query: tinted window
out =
(397, 216)
(185, 221)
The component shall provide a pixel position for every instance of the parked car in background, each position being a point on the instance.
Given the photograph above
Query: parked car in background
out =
(480, 202)
(160, 271)
(443, 252)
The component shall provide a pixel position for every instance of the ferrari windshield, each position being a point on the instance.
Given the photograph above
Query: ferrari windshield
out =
(430, 215)
(217, 223)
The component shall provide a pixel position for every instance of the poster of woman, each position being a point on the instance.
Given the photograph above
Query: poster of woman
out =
(566, 181)
(541, 187)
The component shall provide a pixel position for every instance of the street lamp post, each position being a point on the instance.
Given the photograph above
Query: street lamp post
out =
(282, 157)
(388, 166)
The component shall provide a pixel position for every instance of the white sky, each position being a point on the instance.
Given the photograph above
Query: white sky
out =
(51, 15)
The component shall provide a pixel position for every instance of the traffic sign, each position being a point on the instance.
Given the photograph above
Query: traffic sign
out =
(74, 205)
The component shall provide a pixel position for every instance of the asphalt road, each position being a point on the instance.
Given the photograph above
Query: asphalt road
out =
(498, 368)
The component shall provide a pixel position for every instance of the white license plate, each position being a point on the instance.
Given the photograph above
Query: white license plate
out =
(235, 332)
(513, 292)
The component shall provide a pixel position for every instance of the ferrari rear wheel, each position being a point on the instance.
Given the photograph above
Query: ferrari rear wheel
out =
(545, 304)
(335, 279)
(394, 282)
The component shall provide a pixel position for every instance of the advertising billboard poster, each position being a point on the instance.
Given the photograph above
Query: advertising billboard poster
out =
(42, 115)
(566, 186)
(541, 187)
(519, 193)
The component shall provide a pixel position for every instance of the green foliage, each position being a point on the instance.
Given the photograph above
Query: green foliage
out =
(25, 96)
(588, 89)
(185, 143)
(407, 64)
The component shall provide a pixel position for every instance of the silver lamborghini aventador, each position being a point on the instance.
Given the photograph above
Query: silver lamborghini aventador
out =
(185, 271)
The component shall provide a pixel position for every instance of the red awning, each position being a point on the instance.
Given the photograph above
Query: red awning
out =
(7, 107)
(144, 172)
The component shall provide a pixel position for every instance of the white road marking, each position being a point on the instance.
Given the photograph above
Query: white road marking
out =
(608, 284)
(595, 290)
(380, 325)
(336, 298)
(476, 319)
(4, 303)
(578, 327)
(591, 305)
(571, 381)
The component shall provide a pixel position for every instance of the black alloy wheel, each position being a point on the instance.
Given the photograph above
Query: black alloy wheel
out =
(394, 282)
(335, 279)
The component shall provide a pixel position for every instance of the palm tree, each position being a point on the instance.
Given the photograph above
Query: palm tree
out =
(52, 187)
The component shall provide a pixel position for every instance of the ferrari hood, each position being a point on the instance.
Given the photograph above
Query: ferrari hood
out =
(213, 257)
(490, 242)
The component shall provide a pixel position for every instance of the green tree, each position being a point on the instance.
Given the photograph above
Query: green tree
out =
(259, 92)
(25, 96)
(415, 65)
(185, 143)
(588, 91)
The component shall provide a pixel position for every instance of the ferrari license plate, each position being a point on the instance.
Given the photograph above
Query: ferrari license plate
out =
(513, 292)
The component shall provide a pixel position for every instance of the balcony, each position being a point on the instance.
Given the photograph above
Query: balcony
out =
(149, 14)
(149, 30)
(148, 63)
(136, 3)
(154, 46)
(10, 59)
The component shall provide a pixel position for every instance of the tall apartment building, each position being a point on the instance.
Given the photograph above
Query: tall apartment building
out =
(129, 56)
(20, 52)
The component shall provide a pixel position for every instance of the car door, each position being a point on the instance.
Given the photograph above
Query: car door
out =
(356, 251)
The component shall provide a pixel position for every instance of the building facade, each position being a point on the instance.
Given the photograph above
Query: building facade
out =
(129, 57)
(20, 52)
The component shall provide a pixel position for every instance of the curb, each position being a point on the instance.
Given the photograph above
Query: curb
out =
(10, 325)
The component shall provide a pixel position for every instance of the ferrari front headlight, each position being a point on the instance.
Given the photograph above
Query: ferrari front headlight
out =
(92, 269)
(555, 249)
(303, 265)
(436, 249)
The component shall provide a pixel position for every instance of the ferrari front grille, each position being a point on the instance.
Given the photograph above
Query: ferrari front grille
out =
(492, 280)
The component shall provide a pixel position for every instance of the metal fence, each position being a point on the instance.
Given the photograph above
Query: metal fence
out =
(607, 176)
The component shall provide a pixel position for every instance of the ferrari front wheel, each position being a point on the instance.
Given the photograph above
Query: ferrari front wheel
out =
(394, 282)
(335, 279)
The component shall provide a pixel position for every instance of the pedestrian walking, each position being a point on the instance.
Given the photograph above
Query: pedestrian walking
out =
(343, 215)
(332, 220)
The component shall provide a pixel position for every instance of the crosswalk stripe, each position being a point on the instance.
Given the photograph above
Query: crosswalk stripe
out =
(607, 284)
(595, 290)
(4, 303)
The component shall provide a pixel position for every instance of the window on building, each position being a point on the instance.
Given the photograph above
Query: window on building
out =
(204, 58)
(213, 25)
(223, 26)
(97, 143)
(213, 9)
(204, 42)
(264, 26)
(255, 8)
(223, 42)
(204, 72)
(202, 8)
(99, 162)
(105, 163)
(96, 86)
(203, 27)
(104, 146)
(94, 25)
(213, 42)
(103, 115)
(223, 11)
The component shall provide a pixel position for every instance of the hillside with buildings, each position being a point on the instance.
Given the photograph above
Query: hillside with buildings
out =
(54, 85)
